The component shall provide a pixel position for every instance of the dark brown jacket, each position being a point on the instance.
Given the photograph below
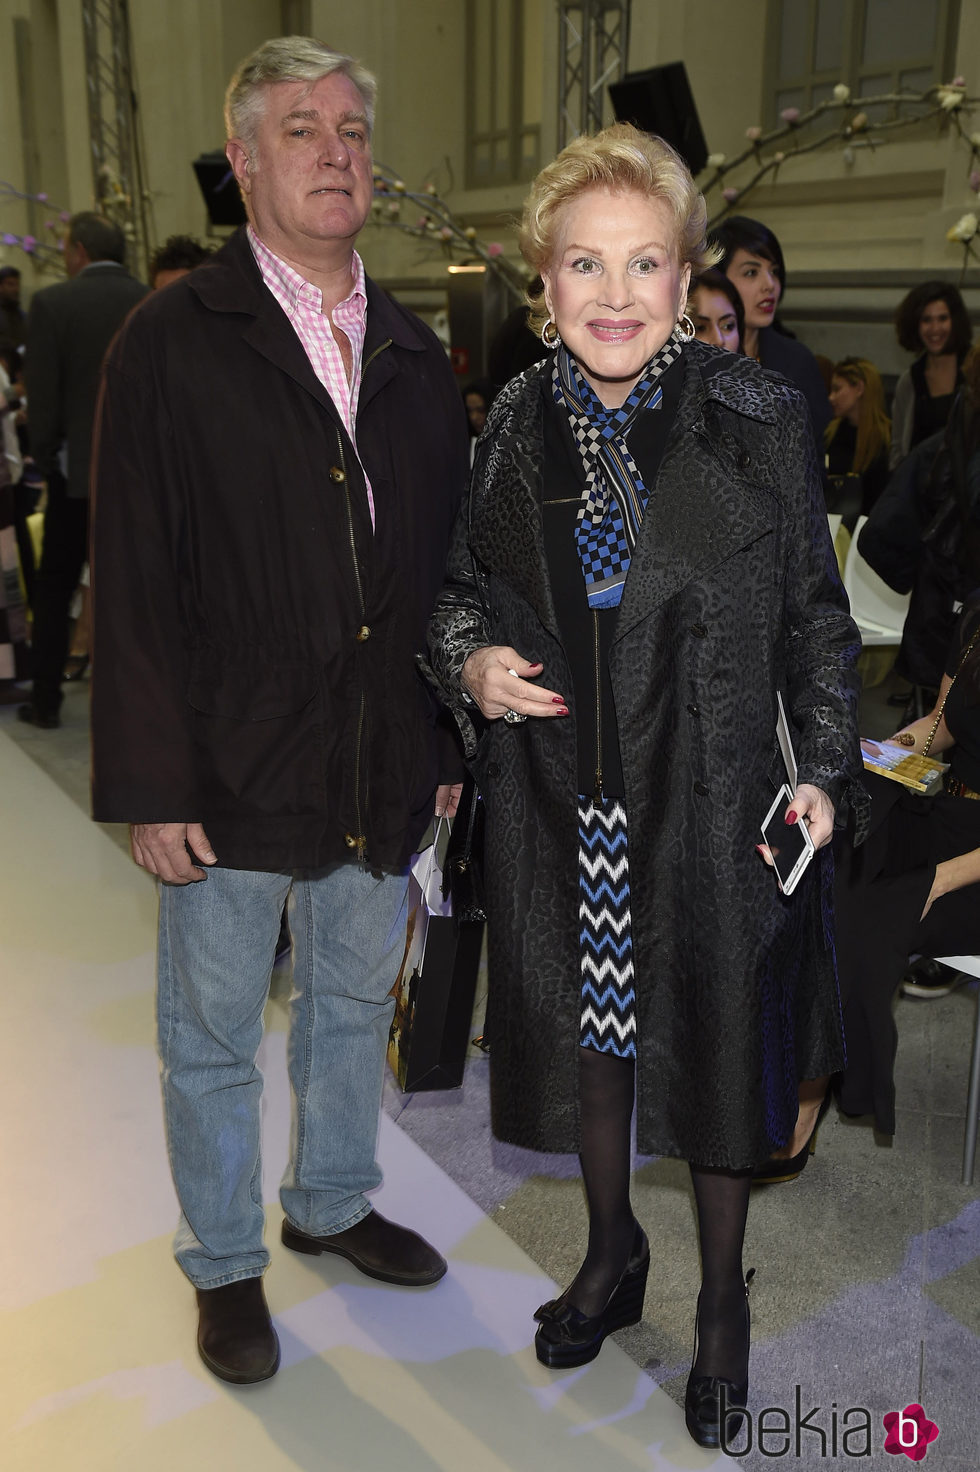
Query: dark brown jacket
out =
(254, 641)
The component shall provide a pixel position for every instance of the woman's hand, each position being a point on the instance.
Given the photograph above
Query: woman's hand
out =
(953, 874)
(498, 678)
(813, 804)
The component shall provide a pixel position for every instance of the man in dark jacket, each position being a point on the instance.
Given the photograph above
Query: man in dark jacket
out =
(69, 328)
(281, 457)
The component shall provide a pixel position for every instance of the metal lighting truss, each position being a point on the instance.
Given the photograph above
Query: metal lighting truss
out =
(593, 45)
(118, 170)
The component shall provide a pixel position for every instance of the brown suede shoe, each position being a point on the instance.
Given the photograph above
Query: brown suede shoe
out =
(235, 1336)
(377, 1247)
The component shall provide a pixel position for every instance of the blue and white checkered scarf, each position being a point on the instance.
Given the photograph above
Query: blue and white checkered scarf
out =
(615, 497)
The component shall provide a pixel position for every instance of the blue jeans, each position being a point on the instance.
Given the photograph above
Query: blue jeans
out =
(216, 949)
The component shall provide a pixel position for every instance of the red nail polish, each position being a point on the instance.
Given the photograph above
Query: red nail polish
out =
(563, 711)
(760, 850)
(790, 816)
(558, 700)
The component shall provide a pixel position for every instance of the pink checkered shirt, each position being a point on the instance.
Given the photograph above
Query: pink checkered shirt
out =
(303, 304)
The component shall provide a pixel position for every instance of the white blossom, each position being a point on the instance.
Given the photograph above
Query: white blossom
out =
(964, 229)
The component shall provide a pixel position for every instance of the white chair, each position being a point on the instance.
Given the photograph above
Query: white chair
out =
(970, 966)
(834, 521)
(878, 611)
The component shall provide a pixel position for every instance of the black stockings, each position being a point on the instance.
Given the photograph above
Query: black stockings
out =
(606, 1087)
(723, 1327)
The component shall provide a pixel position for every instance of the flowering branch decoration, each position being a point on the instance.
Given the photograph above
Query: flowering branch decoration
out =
(946, 103)
(437, 226)
(47, 254)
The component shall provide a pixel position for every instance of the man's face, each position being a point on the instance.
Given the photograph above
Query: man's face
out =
(10, 289)
(308, 177)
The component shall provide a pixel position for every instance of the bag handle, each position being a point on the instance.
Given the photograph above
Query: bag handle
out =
(939, 714)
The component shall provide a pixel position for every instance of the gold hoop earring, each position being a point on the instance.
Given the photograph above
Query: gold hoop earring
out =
(554, 341)
(685, 329)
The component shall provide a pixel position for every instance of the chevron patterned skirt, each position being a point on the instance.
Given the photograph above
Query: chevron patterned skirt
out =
(606, 943)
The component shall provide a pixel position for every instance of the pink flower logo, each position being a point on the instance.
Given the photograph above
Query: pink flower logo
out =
(909, 1431)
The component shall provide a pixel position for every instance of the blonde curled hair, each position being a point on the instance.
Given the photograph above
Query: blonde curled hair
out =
(618, 158)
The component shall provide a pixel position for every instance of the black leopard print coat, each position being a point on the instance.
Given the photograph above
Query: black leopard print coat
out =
(733, 595)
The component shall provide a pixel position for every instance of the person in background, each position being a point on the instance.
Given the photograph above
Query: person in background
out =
(514, 346)
(752, 258)
(13, 322)
(281, 456)
(477, 397)
(715, 308)
(931, 321)
(645, 552)
(914, 886)
(923, 534)
(178, 255)
(70, 326)
(174, 258)
(14, 651)
(858, 438)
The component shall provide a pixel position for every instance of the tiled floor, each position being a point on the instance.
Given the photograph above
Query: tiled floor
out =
(867, 1290)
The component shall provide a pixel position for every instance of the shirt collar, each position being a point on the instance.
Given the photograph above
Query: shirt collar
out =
(289, 286)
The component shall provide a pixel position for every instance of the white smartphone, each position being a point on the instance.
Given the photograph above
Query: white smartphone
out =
(789, 844)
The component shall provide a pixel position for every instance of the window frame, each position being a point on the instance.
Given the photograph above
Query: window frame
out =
(853, 71)
(511, 130)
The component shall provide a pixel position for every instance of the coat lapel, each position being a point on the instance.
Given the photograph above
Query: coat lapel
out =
(507, 527)
(711, 497)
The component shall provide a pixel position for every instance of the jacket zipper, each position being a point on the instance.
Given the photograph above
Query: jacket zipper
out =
(597, 795)
(379, 349)
(360, 841)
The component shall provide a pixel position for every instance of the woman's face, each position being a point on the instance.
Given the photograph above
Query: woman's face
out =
(935, 326)
(476, 412)
(845, 398)
(714, 318)
(758, 286)
(615, 288)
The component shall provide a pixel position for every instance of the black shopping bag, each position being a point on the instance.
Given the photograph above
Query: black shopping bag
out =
(436, 985)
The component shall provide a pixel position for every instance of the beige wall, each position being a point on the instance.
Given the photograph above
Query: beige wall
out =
(887, 211)
(720, 43)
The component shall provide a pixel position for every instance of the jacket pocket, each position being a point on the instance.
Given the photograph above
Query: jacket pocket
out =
(259, 739)
(239, 693)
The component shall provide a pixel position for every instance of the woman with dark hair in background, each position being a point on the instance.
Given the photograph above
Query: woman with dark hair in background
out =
(715, 308)
(753, 260)
(477, 396)
(858, 438)
(932, 321)
(914, 886)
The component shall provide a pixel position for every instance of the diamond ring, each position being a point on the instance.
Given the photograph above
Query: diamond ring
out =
(513, 717)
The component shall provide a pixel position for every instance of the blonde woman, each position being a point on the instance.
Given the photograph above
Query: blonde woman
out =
(642, 566)
(858, 438)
